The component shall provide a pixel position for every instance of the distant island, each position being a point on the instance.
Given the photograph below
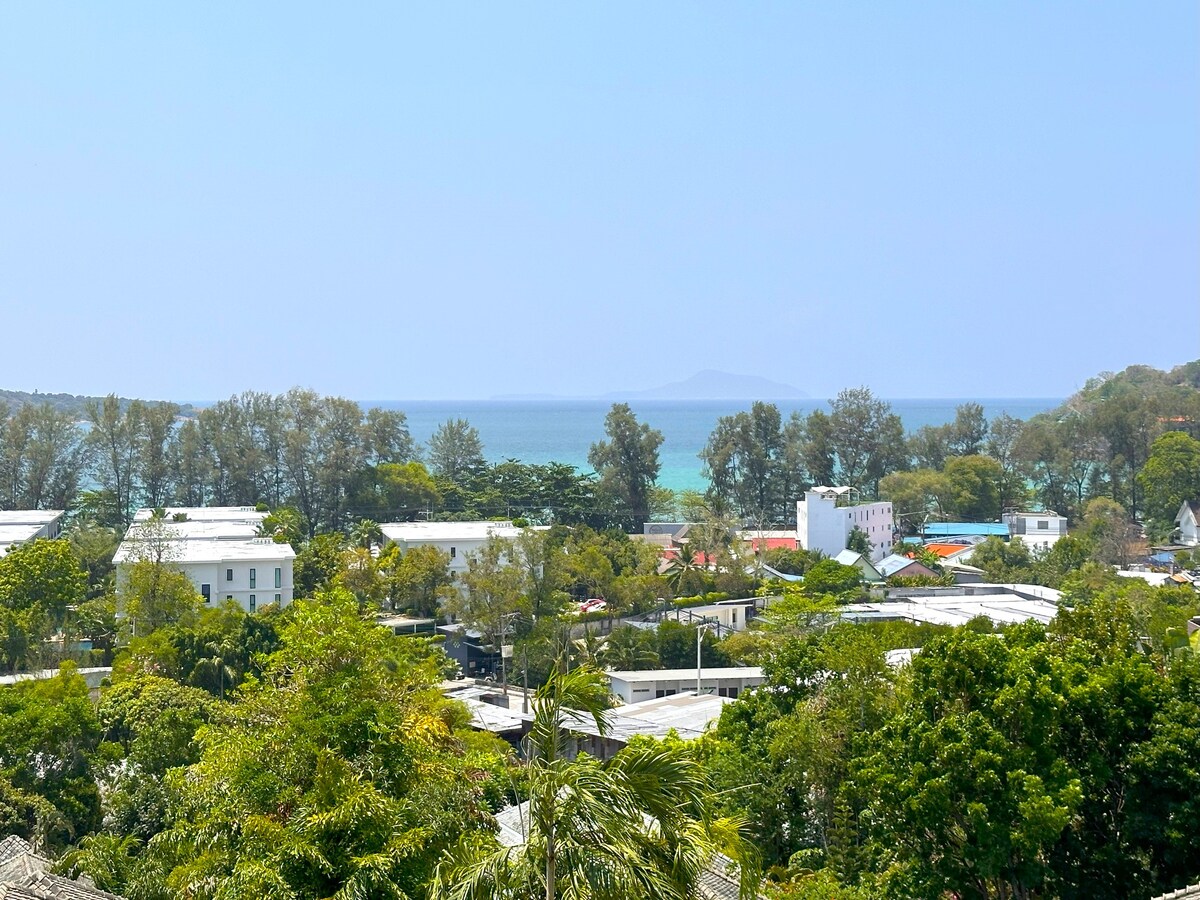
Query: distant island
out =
(74, 404)
(708, 384)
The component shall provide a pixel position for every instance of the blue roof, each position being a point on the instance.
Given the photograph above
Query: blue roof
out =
(952, 529)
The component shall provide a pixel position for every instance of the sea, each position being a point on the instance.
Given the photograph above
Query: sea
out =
(542, 431)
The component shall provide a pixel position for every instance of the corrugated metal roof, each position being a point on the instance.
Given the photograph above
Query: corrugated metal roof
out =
(951, 529)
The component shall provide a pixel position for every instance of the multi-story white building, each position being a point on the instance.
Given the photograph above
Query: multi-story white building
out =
(20, 525)
(456, 539)
(217, 547)
(1037, 530)
(827, 515)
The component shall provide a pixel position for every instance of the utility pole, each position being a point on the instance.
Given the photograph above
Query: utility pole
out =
(506, 628)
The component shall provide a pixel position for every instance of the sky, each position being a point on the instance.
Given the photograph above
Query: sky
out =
(452, 201)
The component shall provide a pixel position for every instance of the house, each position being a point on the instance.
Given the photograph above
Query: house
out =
(218, 548)
(1188, 521)
(20, 525)
(471, 649)
(654, 683)
(1038, 530)
(455, 539)
(869, 572)
(827, 515)
(897, 566)
(688, 714)
(24, 875)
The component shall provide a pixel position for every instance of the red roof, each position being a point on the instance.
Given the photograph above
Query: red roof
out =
(775, 543)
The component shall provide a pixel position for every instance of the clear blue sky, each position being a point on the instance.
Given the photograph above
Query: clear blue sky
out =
(453, 201)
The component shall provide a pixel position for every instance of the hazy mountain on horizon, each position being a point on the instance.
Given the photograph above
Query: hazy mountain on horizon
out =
(708, 384)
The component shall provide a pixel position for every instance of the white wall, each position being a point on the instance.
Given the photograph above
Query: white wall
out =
(635, 691)
(823, 525)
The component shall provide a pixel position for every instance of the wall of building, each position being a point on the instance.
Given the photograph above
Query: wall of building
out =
(636, 691)
(250, 598)
(823, 525)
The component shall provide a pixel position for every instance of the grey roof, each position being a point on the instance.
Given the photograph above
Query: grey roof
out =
(890, 565)
(24, 875)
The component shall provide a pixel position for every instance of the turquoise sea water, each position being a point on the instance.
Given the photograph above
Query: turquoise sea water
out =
(562, 431)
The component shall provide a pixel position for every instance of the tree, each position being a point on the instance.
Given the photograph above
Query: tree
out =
(1170, 476)
(337, 774)
(455, 450)
(749, 466)
(585, 824)
(974, 484)
(627, 462)
(856, 444)
(918, 496)
(629, 649)
(831, 577)
(417, 580)
(1108, 531)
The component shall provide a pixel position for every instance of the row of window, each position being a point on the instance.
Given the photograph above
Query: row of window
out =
(254, 577)
(206, 593)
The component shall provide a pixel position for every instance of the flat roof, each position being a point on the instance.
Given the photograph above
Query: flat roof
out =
(687, 714)
(965, 528)
(39, 517)
(446, 531)
(1003, 609)
(206, 513)
(183, 551)
(16, 534)
(713, 672)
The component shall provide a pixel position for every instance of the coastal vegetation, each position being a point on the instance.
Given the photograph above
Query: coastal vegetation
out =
(307, 752)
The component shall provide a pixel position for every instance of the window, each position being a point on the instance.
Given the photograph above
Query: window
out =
(279, 578)
(453, 552)
(229, 574)
(1043, 525)
(229, 596)
(278, 599)
(206, 592)
(254, 578)
(253, 602)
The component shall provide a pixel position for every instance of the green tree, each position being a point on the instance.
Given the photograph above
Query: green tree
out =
(857, 443)
(417, 580)
(455, 450)
(974, 484)
(585, 831)
(629, 649)
(1170, 476)
(627, 463)
(337, 774)
(831, 577)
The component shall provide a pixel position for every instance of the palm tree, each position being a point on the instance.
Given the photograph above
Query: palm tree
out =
(639, 827)
(682, 569)
(629, 649)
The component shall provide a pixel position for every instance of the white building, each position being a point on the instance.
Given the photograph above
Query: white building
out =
(1037, 530)
(650, 684)
(20, 525)
(217, 547)
(456, 539)
(1188, 521)
(827, 515)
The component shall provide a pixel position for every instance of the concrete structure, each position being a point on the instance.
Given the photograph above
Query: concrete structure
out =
(1188, 521)
(1002, 603)
(632, 687)
(1037, 530)
(217, 548)
(827, 515)
(456, 539)
(20, 525)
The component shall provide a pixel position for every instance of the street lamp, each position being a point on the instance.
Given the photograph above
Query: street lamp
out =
(700, 629)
